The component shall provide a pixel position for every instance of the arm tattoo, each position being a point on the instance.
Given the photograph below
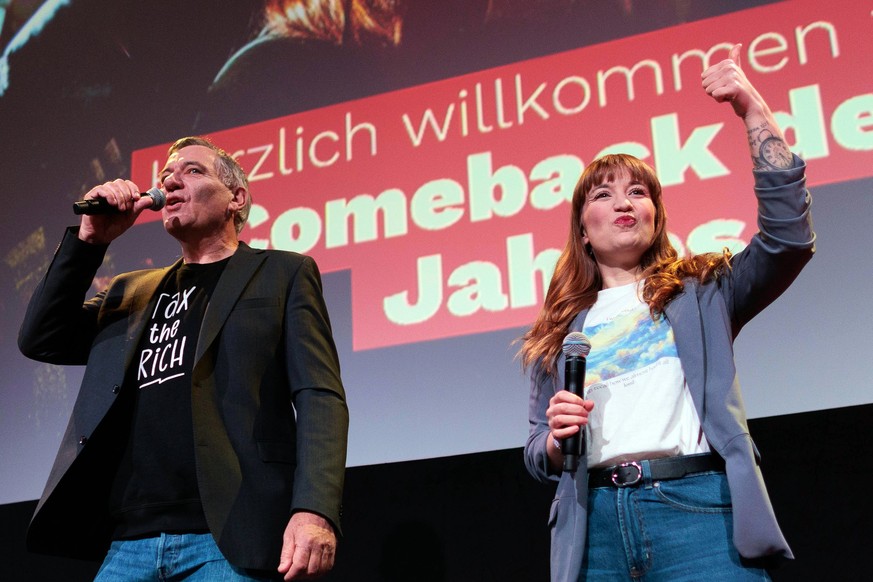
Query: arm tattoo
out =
(769, 152)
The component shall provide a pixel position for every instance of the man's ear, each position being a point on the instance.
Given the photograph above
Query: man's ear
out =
(238, 201)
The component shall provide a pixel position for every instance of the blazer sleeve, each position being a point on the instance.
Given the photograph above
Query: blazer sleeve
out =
(536, 458)
(318, 396)
(784, 243)
(59, 325)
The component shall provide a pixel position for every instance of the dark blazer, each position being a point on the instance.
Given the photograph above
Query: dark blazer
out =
(705, 319)
(265, 351)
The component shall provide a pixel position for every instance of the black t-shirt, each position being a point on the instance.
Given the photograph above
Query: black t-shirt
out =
(155, 489)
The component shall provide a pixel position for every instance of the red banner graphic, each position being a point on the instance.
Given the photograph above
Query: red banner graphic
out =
(448, 201)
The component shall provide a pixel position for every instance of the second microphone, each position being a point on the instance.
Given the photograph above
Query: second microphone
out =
(575, 347)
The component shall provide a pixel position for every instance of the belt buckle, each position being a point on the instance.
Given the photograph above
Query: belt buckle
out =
(631, 483)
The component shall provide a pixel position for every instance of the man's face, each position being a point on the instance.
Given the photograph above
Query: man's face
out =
(198, 205)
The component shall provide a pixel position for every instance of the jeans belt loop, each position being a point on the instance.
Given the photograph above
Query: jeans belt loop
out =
(630, 483)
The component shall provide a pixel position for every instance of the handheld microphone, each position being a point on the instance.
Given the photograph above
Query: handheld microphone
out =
(96, 206)
(575, 347)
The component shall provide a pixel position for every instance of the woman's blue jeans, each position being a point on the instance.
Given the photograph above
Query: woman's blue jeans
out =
(169, 557)
(672, 530)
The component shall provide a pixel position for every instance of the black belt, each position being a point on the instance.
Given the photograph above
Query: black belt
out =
(631, 474)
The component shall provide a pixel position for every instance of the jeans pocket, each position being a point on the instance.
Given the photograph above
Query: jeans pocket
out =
(702, 493)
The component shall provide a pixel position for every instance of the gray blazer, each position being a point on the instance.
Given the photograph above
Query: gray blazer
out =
(265, 346)
(705, 319)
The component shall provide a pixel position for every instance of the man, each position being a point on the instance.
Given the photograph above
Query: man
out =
(209, 435)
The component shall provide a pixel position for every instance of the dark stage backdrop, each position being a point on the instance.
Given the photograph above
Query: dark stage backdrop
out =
(481, 518)
(427, 167)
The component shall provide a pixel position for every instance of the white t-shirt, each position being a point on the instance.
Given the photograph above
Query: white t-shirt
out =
(642, 406)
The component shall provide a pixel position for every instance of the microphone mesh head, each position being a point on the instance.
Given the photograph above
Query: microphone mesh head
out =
(159, 199)
(576, 344)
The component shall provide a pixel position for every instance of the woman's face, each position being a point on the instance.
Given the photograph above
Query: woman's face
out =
(618, 221)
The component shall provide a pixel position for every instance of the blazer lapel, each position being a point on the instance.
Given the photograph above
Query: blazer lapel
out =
(239, 271)
(683, 313)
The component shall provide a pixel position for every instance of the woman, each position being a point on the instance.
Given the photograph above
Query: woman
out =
(669, 487)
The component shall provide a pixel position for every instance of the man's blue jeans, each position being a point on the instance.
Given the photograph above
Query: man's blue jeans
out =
(671, 530)
(169, 557)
